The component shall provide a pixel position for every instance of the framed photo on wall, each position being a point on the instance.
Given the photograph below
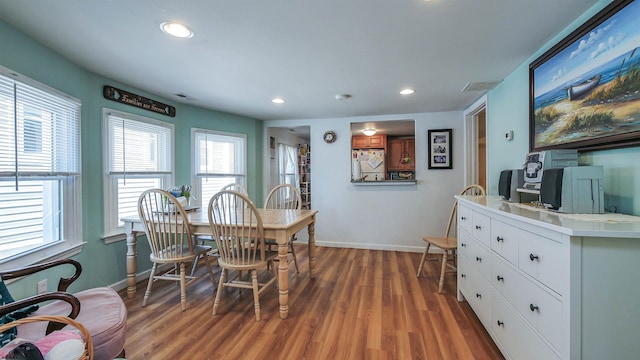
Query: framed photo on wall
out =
(440, 149)
(585, 91)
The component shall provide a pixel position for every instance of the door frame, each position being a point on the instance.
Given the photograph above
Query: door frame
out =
(471, 139)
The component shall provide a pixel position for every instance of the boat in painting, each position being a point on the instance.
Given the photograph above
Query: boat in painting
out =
(578, 91)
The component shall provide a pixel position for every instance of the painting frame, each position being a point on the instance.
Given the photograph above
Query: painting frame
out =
(440, 148)
(575, 97)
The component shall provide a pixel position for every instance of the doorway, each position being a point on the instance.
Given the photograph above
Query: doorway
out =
(297, 137)
(476, 143)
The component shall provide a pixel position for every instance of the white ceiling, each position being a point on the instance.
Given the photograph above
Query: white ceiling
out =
(245, 52)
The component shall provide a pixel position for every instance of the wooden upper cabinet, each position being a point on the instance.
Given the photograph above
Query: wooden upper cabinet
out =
(399, 149)
(378, 141)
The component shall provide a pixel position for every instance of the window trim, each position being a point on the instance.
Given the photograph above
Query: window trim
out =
(111, 231)
(72, 243)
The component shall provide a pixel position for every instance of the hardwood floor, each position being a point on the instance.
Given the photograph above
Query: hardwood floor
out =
(363, 304)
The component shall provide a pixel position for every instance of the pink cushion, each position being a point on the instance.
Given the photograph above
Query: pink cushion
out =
(102, 312)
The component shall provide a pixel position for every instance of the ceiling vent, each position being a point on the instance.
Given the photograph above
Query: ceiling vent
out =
(480, 86)
(185, 97)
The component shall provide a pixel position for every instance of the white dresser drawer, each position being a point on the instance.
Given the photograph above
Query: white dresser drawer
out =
(504, 240)
(478, 293)
(518, 338)
(541, 258)
(477, 255)
(482, 228)
(466, 272)
(464, 218)
(542, 310)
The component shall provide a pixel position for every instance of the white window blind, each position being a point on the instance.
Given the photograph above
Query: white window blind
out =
(219, 159)
(138, 156)
(40, 191)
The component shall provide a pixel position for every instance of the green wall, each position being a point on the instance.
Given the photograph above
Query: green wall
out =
(508, 109)
(104, 264)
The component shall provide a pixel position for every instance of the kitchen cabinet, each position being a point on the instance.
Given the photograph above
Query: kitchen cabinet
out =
(547, 285)
(398, 150)
(378, 141)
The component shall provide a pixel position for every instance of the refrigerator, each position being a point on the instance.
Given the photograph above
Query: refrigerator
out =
(367, 165)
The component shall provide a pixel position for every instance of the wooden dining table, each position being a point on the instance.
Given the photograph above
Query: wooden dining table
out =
(278, 224)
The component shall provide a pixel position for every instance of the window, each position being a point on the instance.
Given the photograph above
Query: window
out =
(219, 159)
(288, 165)
(138, 155)
(40, 177)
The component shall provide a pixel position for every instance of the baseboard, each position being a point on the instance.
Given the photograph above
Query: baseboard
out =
(387, 247)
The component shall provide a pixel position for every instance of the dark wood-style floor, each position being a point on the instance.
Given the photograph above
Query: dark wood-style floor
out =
(363, 304)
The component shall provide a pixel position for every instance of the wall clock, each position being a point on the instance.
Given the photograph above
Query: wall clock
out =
(329, 137)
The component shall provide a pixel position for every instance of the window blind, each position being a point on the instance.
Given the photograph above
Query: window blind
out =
(39, 133)
(137, 147)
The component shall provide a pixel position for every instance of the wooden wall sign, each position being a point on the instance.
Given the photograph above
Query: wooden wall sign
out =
(125, 97)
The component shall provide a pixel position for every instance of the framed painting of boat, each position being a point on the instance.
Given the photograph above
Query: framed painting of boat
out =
(584, 93)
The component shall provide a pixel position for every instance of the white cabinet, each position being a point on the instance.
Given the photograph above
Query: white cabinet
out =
(544, 284)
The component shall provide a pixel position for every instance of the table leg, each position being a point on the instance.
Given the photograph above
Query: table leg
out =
(131, 263)
(283, 273)
(312, 248)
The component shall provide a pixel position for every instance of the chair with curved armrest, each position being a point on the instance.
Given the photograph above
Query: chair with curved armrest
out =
(100, 310)
(447, 243)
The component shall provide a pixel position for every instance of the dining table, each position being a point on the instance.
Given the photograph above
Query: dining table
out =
(278, 224)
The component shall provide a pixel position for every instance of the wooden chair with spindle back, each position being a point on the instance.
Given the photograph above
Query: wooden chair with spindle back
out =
(239, 234)
(448, 244)
(169, 234)
(284, 196)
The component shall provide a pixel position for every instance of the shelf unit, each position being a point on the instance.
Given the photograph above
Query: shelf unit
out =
(304, 171)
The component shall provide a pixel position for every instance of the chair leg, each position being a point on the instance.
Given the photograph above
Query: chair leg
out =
(195, 263)
(256, 293)
(208, 264)
(424, 258)
(293, 252)
(147, 293)
(216, 302)
(275, 273)
(183, 287)
(443, 270)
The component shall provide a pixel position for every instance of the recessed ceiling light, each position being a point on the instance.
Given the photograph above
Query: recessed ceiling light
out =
(176, 29)
(407, 91)
(277, 100)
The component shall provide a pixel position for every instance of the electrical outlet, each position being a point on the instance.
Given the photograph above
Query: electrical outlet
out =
(42, 286)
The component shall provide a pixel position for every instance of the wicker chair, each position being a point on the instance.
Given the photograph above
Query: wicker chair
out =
(237, 229)
(447, 243)
(171, 241)
(100, 310)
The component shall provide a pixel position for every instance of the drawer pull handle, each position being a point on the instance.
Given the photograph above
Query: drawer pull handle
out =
(478, 295)
(533, 307)
(500, 278)
(463, 244)
(463, 218)
(478, 227)
(478, 259)
(499, 239)
(463, 275)
(500, 323)
(533, 257)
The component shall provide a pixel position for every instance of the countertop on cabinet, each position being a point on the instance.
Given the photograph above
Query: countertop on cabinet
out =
(589, 225)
